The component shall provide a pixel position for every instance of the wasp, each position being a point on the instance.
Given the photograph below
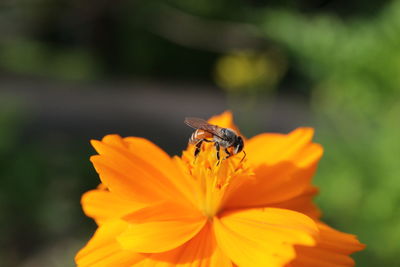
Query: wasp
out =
(224, 138)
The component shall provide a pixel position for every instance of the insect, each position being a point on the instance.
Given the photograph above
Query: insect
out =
(221, 137)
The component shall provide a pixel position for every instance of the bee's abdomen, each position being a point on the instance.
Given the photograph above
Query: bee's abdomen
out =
(199, 135)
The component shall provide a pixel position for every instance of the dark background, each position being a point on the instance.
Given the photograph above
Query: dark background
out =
(71, 71)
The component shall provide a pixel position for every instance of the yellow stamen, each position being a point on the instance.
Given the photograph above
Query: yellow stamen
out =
(214, 180)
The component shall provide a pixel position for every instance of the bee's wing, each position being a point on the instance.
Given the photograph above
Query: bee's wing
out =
(201, 124)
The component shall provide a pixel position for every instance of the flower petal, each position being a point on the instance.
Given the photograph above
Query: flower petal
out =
(161, 227)
(263, 237)
(201, 250)
(103, 205)
(339, 241)
(296, 147)
(302, 203)
(125, 168)
(104, 251)
(283, 167)
(270, 185)
(163, 163)
(332, 250)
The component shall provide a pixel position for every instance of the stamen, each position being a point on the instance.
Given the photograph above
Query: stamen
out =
(214, 178)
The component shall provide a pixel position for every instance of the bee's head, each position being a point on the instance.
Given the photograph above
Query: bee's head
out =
(238, 145)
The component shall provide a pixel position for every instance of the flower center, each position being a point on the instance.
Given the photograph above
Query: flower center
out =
(215, 181)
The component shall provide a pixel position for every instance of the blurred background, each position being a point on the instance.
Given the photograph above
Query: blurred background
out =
(71, 71)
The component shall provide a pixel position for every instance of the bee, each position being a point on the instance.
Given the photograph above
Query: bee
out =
(224, 138)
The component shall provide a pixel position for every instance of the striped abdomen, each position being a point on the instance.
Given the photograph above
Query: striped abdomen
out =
(199, 135)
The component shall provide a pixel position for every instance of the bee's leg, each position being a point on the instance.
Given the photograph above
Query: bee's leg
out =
(198, 146)
(197, 150)
(229, 154)
(243, 156)
(217, 148)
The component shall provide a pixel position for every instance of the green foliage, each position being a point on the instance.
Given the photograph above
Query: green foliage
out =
(41, 181)
(35, 58)
(354, 66)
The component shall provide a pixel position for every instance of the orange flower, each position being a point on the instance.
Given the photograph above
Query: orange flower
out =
(153, 210)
